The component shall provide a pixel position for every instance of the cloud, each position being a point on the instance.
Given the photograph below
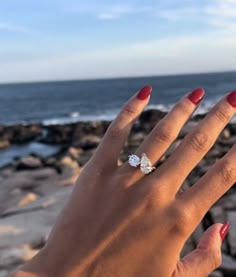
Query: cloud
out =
(186, 54)
(117, 11)
(222, 8)
(221, 15)
(107, 16)
(178, 14)
(6, 27)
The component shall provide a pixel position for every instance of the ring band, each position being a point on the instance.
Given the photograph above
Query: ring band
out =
(145, 164)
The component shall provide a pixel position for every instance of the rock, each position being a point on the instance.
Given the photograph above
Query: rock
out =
(228, 266)
(225, 134)
(3, 273)
(173, 146)
(149, 119)
(15, 256)
(197, 234)
(75, 153)
(228, 201)
(29, 162)
(88, 142)
(28, 198)
(229, 142)
(136, 139)
(218, 214)
(187, 128)
(70, 171)
(84, 158)
(31, 223)
(216, 273)
(188, 247)
(4, 144)
(231, 216)
(19, 134)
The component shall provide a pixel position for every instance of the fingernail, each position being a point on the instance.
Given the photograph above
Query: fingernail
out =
(196, 96)
(144, 93)
(232, 98)
(224, 230)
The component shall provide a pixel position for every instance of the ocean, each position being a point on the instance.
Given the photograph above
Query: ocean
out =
(69, 101)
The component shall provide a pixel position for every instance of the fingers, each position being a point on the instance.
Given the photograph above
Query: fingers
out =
(197, 143)
(212, 185)
(166, 131)
(207, 256)
(116, 135)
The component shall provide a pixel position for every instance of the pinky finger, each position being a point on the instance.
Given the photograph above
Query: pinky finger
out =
(207, 256)
(117, 133)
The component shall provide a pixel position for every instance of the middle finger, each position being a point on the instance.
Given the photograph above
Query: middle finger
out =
(196, 144)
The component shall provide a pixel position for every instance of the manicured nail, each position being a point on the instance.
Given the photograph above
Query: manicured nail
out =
(144, 93)
(224, 230)
(232, 98)
(196, 96)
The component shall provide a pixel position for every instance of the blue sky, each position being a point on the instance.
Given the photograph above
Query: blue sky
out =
(68, 39)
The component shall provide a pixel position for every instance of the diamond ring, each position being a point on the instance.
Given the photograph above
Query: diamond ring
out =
(145, 164)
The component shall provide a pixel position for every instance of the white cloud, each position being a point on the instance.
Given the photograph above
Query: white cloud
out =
(117, 11)
(222, 8)
(178, 14)
(12, 28)
(107, 16)
(171, 55)
(221, 15)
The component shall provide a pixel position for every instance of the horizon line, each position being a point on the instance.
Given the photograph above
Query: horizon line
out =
(113, 78)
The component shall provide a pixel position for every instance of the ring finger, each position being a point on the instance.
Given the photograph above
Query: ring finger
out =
(165, 132)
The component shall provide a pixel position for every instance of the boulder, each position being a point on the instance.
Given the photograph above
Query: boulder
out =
(228, 266)
(88, 142)
(231, 216)
(216, 273)
(28, 198)
(29, 162)
(4, 144)
(75, 152)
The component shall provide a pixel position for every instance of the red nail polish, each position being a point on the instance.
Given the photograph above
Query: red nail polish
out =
(224, 230)
(144, 93)
(196, 96)
(232, 98)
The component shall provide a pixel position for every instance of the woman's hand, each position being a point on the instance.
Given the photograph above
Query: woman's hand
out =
(120, 222)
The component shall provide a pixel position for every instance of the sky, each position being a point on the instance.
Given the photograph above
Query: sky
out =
(69, 39)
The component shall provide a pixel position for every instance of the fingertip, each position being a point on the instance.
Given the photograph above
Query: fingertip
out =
(144, 93)
(196, 95)
(211, 237)
(224, 230)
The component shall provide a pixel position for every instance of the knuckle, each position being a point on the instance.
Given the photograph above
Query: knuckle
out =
(129, 111)
(180, 218)
(228, 172)
(215, 258)
(222, 115)
(164, 135)
(200, 141)
(114, 133)
(184, 108)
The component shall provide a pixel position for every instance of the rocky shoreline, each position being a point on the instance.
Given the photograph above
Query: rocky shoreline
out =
(34, 188)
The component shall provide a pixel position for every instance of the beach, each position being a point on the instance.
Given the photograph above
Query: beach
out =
(34, 187)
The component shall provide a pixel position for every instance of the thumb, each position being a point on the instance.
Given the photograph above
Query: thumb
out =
(207, 257)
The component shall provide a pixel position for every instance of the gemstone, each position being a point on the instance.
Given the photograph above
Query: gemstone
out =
(145, 165)
(134, 160)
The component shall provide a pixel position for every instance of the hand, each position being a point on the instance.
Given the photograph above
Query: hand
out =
(120, 222)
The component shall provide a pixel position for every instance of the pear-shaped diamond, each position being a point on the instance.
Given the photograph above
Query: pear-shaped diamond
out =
(145, 165)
